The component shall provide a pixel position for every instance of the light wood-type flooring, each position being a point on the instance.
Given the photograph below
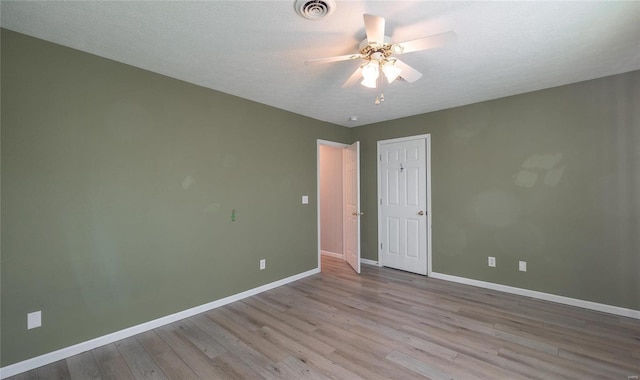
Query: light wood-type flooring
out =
(383, 324)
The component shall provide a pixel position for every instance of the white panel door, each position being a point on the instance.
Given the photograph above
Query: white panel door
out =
(403, 205)
(352, 205)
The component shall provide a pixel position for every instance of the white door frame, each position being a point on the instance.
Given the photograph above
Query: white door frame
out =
(335, 145)
(427, 138)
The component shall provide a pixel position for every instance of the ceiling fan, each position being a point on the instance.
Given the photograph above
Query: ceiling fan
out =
(378, 52)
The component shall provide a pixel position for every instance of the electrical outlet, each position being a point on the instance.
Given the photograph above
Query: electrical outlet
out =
(34, 320)
(492, 261)
(522, 266)
(305, 199)
(263, 264)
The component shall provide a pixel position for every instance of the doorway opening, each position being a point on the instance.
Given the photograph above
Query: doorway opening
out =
(338, 202)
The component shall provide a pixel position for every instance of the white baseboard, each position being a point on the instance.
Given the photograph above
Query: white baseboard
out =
(332, 254)
(369, 262)
(79, 348)
(540, 295)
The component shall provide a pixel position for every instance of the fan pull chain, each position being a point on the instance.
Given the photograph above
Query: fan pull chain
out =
(380, 98)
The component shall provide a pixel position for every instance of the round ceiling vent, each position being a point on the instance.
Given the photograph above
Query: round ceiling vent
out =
(314, 9)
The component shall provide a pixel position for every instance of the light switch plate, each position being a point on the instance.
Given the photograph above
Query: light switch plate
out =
(305, 199)
(34, 320)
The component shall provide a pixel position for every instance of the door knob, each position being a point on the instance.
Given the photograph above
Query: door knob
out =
(420, 213)
(357, 213)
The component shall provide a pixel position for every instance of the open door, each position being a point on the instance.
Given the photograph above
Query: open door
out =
(352, 211)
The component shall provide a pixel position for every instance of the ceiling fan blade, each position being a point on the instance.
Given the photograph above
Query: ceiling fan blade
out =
(429, 42)
(354, 78)
(408, 73)
(374, 26)
(333, 59)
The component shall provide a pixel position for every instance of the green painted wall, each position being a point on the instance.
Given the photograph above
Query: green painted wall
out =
(117, 190)
(551, 177)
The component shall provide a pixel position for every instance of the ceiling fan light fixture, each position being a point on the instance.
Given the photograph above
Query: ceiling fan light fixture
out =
(391, 71)
(371, 70)
(370, 74)
(369, 82)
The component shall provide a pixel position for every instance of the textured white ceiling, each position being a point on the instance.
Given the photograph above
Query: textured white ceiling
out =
(256, 49)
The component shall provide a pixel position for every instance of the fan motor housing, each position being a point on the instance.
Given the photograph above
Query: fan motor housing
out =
(369, 49)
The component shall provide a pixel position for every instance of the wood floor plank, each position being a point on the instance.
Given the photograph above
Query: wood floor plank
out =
(489, 370)
(140, 363)
(301, 369)
(261, 320)
(459, 341)
(369, 352)
(360, 355)
(568, 339)
(55, 370)
(164, 356)
(308, 355)
(383, 316)
(83, 367)
(419, 367)
(189, 331)
(237, 367)
(478, 356)
(348, 341)
(29, 375)
(602, 366)
(197, 360)
(256, 340)
(111, 364)
(301, 324)
(252, 358)
(550, 363)
(355, 363)
(536, 362)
